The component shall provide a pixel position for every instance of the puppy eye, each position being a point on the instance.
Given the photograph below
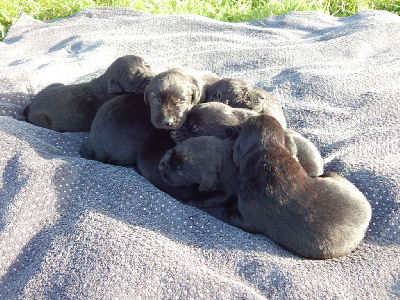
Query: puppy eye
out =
(157, 101)
(195, 128)
(217, 95)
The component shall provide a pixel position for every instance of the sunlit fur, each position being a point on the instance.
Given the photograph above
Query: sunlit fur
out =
(171, 94)
(221, 120)
(73, 107)
(210, 119)
(316, 218)
(238, 93)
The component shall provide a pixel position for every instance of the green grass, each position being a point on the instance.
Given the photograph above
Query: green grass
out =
(224, 10)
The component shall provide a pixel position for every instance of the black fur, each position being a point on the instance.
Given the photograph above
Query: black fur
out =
(221, 120)
(316, 218)
(171, 94)
(72, 107)
(213, 118)
(153, 148)
(118, 130)
(207, 162)
(238, 93)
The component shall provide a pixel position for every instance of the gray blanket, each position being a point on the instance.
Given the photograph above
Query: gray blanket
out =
(77, 229)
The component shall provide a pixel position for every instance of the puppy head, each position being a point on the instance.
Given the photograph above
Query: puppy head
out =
(171, 95)
(232, 91)
(128, 74)
(178, 168)
(207, 119)
(188, 164)
(259, 98)
(258, 132)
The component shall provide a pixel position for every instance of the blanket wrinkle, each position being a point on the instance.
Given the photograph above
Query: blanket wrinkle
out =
(71, 228)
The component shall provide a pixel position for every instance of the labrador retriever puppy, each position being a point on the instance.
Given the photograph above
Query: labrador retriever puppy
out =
(118, 130)
(72, 108)
(171, 94)
(156, 143)
(205, 161)
(212, 118)
(316, 218)
(221, 120)
(238, 93)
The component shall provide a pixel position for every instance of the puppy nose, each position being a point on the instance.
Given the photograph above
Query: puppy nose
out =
(168, 121)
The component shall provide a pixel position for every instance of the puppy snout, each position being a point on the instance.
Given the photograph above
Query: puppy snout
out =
(168, 121)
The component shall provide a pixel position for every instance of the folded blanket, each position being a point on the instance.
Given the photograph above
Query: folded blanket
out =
(71, 228)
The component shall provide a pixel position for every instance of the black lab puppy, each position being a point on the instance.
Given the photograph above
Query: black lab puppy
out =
(213, 119)
(118, 130)
(316, 218)
(218, 119)
(72, 107)
(238, 93)
(153, 148)
(171, 94)
(205, 161)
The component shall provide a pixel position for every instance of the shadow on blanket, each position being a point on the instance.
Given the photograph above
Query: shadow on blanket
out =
(379, 191)
(12, 184)
(71, 208)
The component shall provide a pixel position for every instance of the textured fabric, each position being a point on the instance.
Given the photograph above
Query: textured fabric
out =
(77, 229)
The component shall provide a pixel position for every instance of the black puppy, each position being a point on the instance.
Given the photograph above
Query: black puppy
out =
(205, 161)
(118, 130)
(171, 94)
(316, 218)
(72, 107)
(238, 93)
(217, 119)
(152, 149)
(211, 118)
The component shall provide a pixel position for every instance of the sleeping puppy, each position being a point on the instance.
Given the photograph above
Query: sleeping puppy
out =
(218, 119)
(205, 161)
(118, 130)
(152, 149)
(213, 119)
(315, 218)
(171, 94)
(72, 107)
(236, 92)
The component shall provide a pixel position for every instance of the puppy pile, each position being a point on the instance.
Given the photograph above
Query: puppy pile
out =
(218, 144)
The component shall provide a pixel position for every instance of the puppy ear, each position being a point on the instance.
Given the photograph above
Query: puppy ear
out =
(113, 87)
(195, 94)
(290, 144)
(232, 131)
